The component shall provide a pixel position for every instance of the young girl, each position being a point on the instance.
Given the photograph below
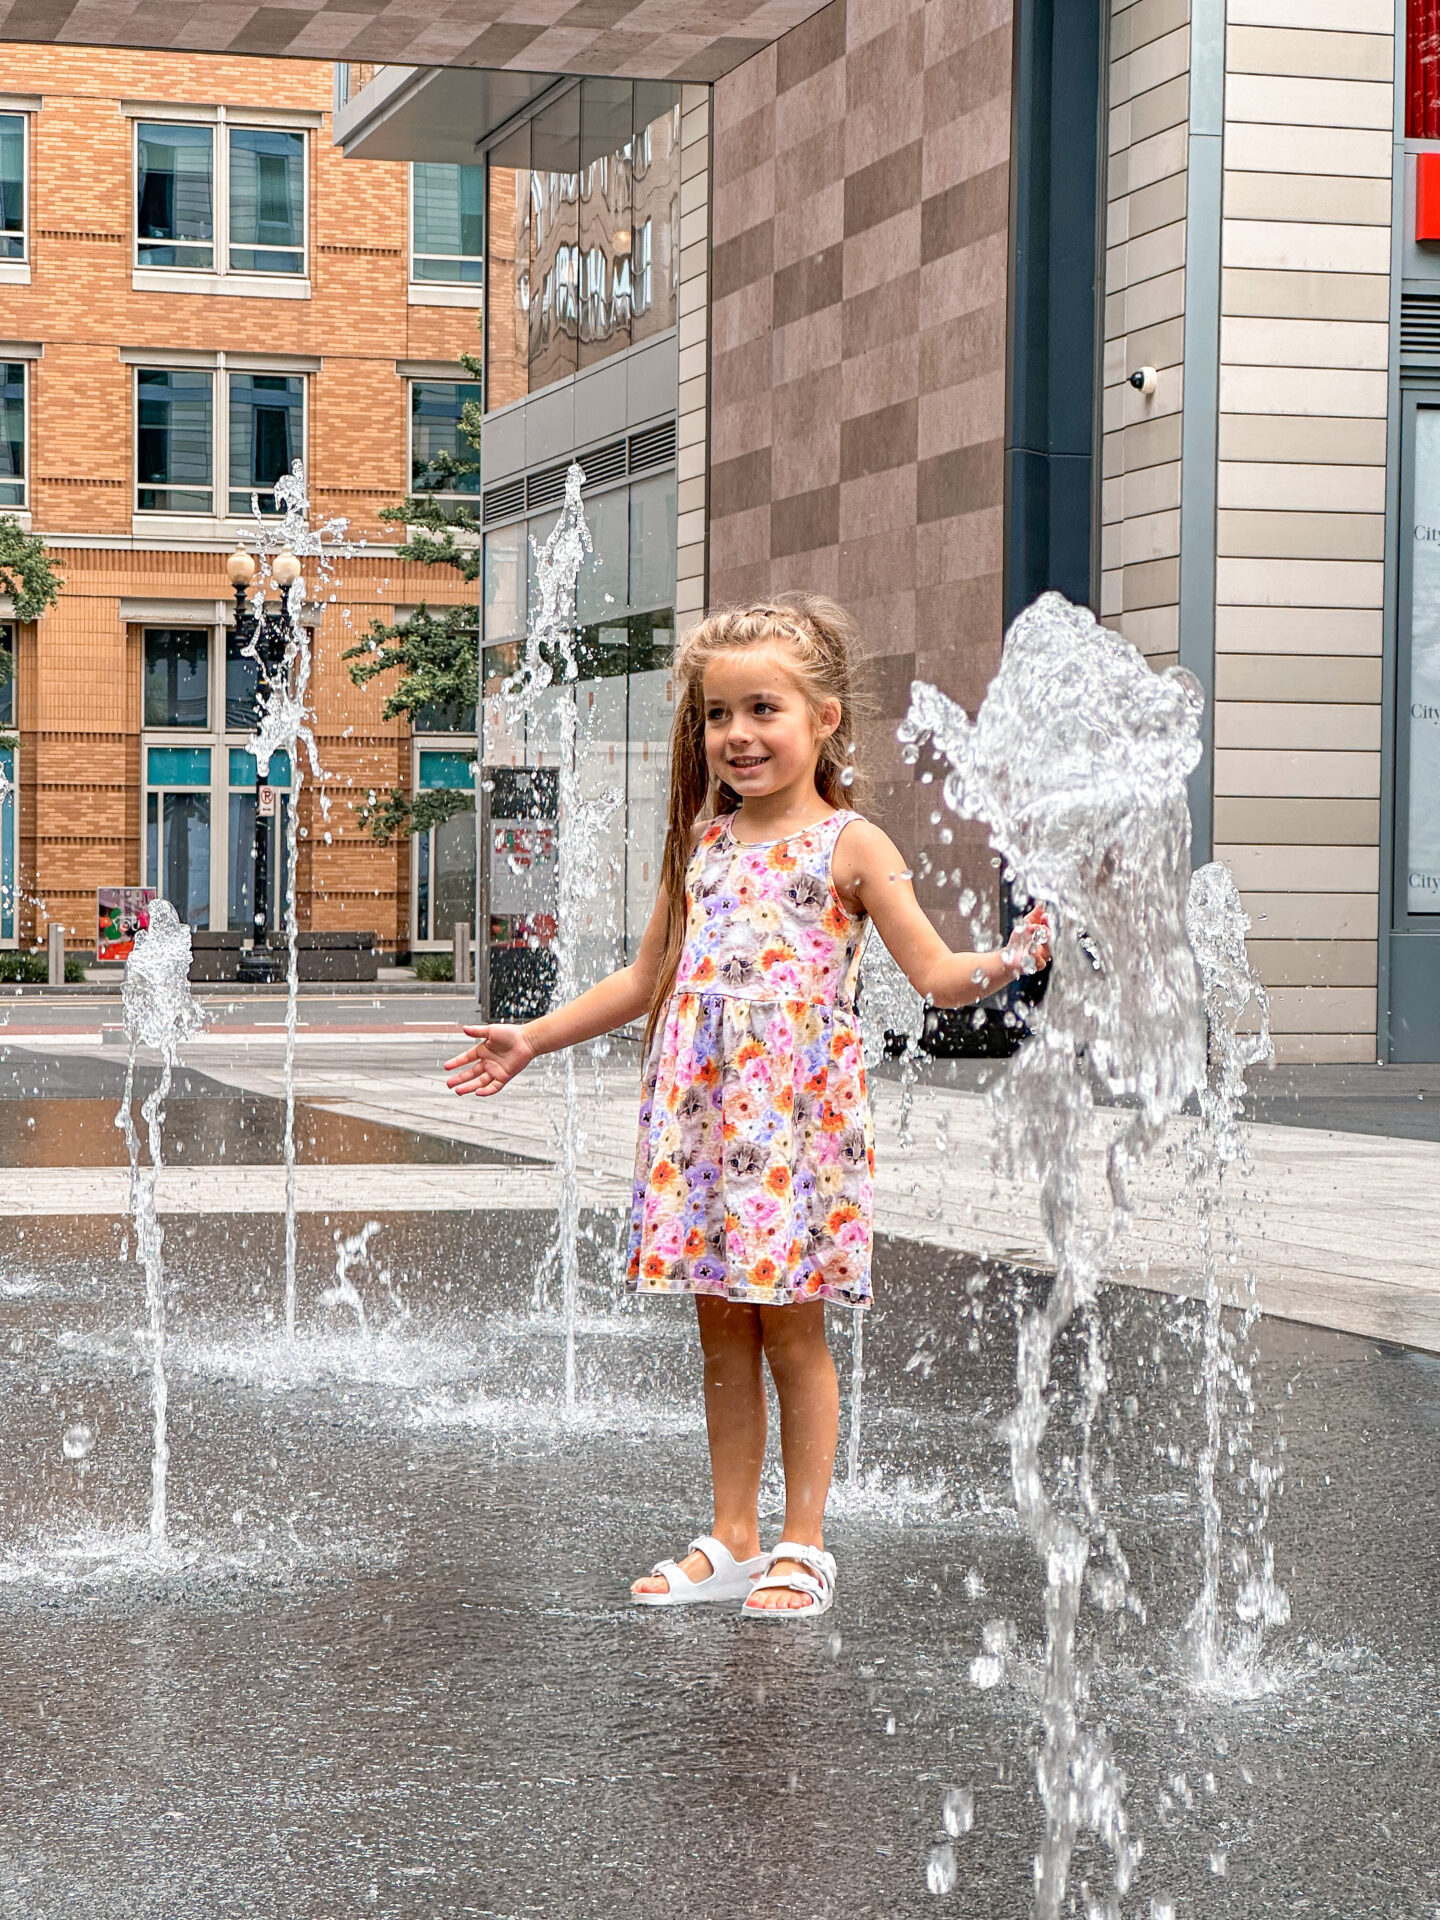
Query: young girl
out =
(754, 1174)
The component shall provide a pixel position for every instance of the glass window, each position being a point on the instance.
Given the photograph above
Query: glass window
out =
(7, 668)
(552, 236)
(652, 542)
(1422, 70)
(177, 767)
(241, 861)
(12, 186)
(505, 582)
(173, 441)
(438, 442)
(177, 852)
(267, 201)
(175, 207)
(606, 111)
(448, 234)
(243, 773)
(655, 239)
(507, 272)
(7, 846)
(12, 433)
(267, 435)
(445, 862)
(1422, 851)
(177, 679)
(603, 585)
(444, 770)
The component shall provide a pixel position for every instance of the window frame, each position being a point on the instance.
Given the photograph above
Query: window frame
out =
(220, 377)
(252, 280)
(474, 287)
(18, 265)
(22, 505)
(413, 380)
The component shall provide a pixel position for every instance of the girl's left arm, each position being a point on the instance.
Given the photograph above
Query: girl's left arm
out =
(870, 872)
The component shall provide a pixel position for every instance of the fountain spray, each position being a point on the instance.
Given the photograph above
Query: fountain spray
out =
(1218, 924)
(549, 661)
(1077, 763)
(284, 726)
(160, 1014)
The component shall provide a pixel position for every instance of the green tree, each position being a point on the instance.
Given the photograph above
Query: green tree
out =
(28, 577)
(435, 654)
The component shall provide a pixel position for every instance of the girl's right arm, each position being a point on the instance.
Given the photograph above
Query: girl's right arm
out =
(500, 1052)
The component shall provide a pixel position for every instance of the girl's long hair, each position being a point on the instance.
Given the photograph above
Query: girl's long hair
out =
(824, 644)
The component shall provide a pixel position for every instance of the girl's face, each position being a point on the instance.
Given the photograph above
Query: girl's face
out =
(761, 734)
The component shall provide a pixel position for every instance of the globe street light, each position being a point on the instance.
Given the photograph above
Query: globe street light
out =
(266, 634)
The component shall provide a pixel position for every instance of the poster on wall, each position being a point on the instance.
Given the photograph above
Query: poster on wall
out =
(120, 913)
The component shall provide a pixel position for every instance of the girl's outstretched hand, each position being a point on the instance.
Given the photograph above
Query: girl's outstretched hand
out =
(1028, 947)
(499, 1053)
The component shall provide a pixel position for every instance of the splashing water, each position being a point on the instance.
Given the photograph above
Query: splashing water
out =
(889, 1006)
(284, 727)
(1218, 924)
(352, 1252)
(1077, 763)
(549, 660)
(159, 1014)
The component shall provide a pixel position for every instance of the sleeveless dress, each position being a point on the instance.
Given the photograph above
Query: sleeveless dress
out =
(754, 1174)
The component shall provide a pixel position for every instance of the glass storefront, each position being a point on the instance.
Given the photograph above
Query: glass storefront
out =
(583, 233)
(1420, 691)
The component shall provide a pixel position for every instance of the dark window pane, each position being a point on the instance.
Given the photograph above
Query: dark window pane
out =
(185, 879)
(12, 433)
(453, 895)
(438, 444)
(7, 668)
(176, 202)
(267, 200)
(241, 890)
(177, 676)
(12, 186)
(267, 414)
(652, 542)
(449, 222)
(172, 451)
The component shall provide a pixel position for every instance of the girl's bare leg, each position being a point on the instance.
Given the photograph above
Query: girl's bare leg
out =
(809, 1395)
(730, 1339)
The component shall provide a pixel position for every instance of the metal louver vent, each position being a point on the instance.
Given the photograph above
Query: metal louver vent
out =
(1420, 330)
(603, 464)
(545, 489)
(503, 502)
(652, 447)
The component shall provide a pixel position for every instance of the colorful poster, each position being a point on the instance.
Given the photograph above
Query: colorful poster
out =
(120, 913)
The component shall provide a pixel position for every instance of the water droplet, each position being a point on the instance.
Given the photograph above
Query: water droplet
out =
(941, 1873)
(959, 1811)
(847, 776)
(78, 1441)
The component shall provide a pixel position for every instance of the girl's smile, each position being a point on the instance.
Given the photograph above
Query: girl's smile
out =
(761, 733)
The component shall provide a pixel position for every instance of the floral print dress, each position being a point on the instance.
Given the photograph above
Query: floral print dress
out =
(754, 1176)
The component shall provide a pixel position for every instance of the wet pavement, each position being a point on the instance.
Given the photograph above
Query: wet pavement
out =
(391, 1668)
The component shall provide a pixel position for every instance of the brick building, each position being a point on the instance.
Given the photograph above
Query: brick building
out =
(196, 290)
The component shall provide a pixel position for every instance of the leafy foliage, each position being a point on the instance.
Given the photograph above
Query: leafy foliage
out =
(435, 654)
(26, 574)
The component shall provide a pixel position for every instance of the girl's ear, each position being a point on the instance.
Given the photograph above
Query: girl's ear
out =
(827, 718)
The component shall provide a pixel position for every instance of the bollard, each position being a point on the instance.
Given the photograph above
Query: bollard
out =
(460, 945)
(55, 954)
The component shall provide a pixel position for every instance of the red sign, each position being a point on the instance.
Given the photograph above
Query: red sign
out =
(120, 913)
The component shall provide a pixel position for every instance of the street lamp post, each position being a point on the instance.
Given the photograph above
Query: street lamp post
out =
(269, 633)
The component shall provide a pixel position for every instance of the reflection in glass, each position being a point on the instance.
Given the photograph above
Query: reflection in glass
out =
(12, 186)
(448, 209)
(267, 201)
(606, 108)
(175, 206)
(172, 441)
(551, 240)
(437, 438)
(177, 841)
(12, 433)
(602, 587)
(177, 675)
(7, 685)
(652, 542)
(241, 861)
(267, 435)
(655, 244)
(507, 271)
(7, 846)
(1422, 856)
(504, 576)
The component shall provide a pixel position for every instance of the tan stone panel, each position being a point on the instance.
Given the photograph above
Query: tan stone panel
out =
(1300, 487)
(1266, 773)
(1329, 197)
(1299, 583)
(1305, 296)
(1154, 630)
(1301, 868)
(1144, 443)
(1314, 963)
(1286, 821)
(1150, 66)
(1354, 345)
(1167, 105)
(1274, 726)
(1328, 391)
(1162, 345)
(1156, 583)
(1311, 916)
(1147, 20)
(1146, 161)
(1308, 246)
(1352, 16)
(1152, 536)
(1328, 55)
(1150, 489)
(1280, 100)
(1292, 630)
(1156, 206)
(1301, 536)
(1341, 678)
(1256, 146)
(1321, 1010)
(1292, 437)
(1153, 253)
(1324, 1049)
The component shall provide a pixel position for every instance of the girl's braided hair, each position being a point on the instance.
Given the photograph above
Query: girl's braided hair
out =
(824, 643)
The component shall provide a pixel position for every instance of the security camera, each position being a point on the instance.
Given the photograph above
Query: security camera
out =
(1145, 380)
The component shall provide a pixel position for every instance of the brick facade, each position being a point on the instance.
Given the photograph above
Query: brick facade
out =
(78, 691)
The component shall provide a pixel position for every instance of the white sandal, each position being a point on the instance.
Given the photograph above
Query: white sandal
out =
(728, 1578)
(815, 1578)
